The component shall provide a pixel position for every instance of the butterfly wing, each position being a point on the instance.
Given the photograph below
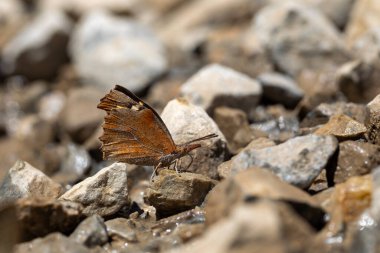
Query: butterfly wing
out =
(133, 131)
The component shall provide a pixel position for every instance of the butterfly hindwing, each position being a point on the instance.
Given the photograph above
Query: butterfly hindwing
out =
(133, 131)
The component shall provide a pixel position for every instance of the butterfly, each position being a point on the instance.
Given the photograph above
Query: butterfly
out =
(134, 133)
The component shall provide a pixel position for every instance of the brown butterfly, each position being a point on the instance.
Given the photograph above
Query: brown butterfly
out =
(135, 133)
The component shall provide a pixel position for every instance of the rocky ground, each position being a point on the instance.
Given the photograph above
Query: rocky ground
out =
(290, 87)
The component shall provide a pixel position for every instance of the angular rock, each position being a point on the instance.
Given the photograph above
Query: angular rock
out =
(39, 217)
(53, 243)
(103, 45)
(80, 116)
(297, 161)
(216, 85)
(51, 105)
(234, 125)
(358, 80)
(292, 33)
(342, 127)
(265, 226)
(91, 232)
(224, 170)
(187, 122)
(356, 159)
(39, 50)
(278, 88)
(121, 229)
(104, 194)
(373, 123)
(172, 193)
(23, 180)
(255, 183)
(323, 112)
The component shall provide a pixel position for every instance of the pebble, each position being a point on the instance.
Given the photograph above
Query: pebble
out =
(297, 161)
(91, 232)
(109, 50)
(187, 122)
(216, 85)
(53, 243)
(257, 183)
(171, 193)
(278, 88)
(342, 127)
(104, 194)
(23, 180)
(39, 217)
(356, 159)
(39, 50)
(373, 123)
(292, 33)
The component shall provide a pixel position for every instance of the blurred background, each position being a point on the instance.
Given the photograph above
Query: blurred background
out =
(59, 57)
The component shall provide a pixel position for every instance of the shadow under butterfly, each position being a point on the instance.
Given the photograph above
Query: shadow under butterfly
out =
(135, 133)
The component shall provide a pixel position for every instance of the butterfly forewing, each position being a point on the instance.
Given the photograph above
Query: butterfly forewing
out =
(133, 131)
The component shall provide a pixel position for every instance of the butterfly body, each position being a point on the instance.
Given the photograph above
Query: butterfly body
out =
(135, 133)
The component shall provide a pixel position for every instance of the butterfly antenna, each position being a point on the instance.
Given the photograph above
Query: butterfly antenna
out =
(203, 138)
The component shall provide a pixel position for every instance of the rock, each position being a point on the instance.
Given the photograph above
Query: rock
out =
(280, 129)
(358, 80)
(373, 123)
(264, 226)
(323, 112)
(297, 161)
(342, 127)
(39, 50)
(91, 232)
(75, 163)
(13, 17)
(234, 124)
(319, 87)
(188, 27)
(278, 88)
(53, 243)
(104, 194)
(364, 17)
(23, 180)
(103, 45)
(256, 183)
(337, 11)
(39, 217)
(121, 229)
(259, 143)
(216, 85)
(292, 33)
(187, 122)
(51, 105)
(356, 159)
(80, 116)
(236, 48)
(172, 193)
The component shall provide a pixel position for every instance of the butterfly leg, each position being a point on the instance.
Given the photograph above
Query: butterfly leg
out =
(191, 162)
(154, 171)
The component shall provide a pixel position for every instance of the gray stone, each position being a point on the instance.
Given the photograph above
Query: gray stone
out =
(187, 122)
(104, 193)
(39, 50)
(53, 243)
(109, 50)
(278, 88)
(172, 193)
(23, 180)
(121, 229)
(373, 123)
(292, 33)
(216, 85)
(297, 161)
(91, 232)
